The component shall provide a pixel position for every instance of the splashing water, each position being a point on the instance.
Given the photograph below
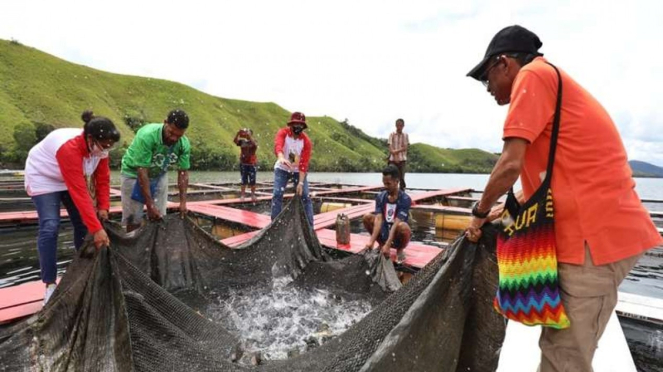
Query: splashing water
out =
(656, 342)
(283, 321)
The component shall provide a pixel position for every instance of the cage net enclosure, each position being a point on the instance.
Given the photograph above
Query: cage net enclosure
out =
(150, 302)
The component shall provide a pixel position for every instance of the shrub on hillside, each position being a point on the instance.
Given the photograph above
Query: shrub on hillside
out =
(133, 122)
(115, 156)
(204, 157)
(24, 137)
(42, 130)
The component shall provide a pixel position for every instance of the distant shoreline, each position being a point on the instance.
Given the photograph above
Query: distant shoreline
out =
(7, 171)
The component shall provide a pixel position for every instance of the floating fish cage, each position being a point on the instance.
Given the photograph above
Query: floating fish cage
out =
(437, 218)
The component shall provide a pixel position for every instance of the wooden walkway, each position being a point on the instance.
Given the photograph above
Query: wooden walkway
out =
(243, 217)
(443, 209)
(649, 309)
(417, 255)
(520, 351)
(328, 219)
(31, 216)
(21, 300)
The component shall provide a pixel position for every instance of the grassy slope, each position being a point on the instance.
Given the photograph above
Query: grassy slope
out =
(427, 158)
(38, 88)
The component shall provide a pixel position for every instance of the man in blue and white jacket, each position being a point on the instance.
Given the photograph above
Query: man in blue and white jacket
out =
(389, 223)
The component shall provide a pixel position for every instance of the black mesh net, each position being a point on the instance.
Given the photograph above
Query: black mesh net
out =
(151, 301)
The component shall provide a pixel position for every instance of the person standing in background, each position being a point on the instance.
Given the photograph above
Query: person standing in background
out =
(247, 161)
(398, 144)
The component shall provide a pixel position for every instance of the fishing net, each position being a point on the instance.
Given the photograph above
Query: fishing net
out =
(150, 303)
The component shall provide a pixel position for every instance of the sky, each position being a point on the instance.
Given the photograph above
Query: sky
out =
(369, 62)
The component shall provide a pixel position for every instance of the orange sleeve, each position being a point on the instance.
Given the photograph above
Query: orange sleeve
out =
(532, 105)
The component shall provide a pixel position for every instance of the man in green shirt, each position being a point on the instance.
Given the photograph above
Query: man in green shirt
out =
(145, 169)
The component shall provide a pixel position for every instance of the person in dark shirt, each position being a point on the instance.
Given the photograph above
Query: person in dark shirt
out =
(388, 225)
(247, 160)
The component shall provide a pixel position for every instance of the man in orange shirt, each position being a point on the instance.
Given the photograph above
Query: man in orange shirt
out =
(601, 227)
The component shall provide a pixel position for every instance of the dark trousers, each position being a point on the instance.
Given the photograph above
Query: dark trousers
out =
(248, 174)
(401, 170)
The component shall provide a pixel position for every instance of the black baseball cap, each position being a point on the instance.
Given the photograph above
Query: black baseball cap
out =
(514, 39)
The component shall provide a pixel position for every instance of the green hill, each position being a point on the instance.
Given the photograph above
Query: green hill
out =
(644, 169)
(431, 159)
(39, 92)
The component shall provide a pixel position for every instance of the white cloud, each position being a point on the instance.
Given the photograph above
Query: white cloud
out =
(368, 61)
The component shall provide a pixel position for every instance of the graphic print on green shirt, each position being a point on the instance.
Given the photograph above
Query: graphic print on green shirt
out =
(148, 151)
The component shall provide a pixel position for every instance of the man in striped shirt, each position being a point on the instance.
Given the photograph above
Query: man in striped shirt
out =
(398, 144)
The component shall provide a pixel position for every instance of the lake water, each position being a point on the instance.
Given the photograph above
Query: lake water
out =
(647, 188)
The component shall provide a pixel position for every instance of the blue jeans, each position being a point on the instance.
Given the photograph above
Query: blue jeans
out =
(281, 179)
(48, 212)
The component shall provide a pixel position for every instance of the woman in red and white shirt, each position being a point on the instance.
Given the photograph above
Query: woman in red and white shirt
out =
(70, 167)
(292, 148)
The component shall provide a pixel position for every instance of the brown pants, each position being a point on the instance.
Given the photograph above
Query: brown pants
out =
(589, 294)
(401, 170)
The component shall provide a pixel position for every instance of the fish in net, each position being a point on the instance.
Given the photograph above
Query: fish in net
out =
(148, 303)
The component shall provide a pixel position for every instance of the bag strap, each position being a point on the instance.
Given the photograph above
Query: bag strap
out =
(555, 130)
(512, 202)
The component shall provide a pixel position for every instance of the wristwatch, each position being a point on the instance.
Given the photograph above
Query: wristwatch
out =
(476, 213)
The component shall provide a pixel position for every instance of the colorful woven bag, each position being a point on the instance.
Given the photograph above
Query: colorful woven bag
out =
(528, 290)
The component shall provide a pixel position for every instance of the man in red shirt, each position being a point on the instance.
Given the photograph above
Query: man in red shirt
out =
(601, 227)
(247, 161)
